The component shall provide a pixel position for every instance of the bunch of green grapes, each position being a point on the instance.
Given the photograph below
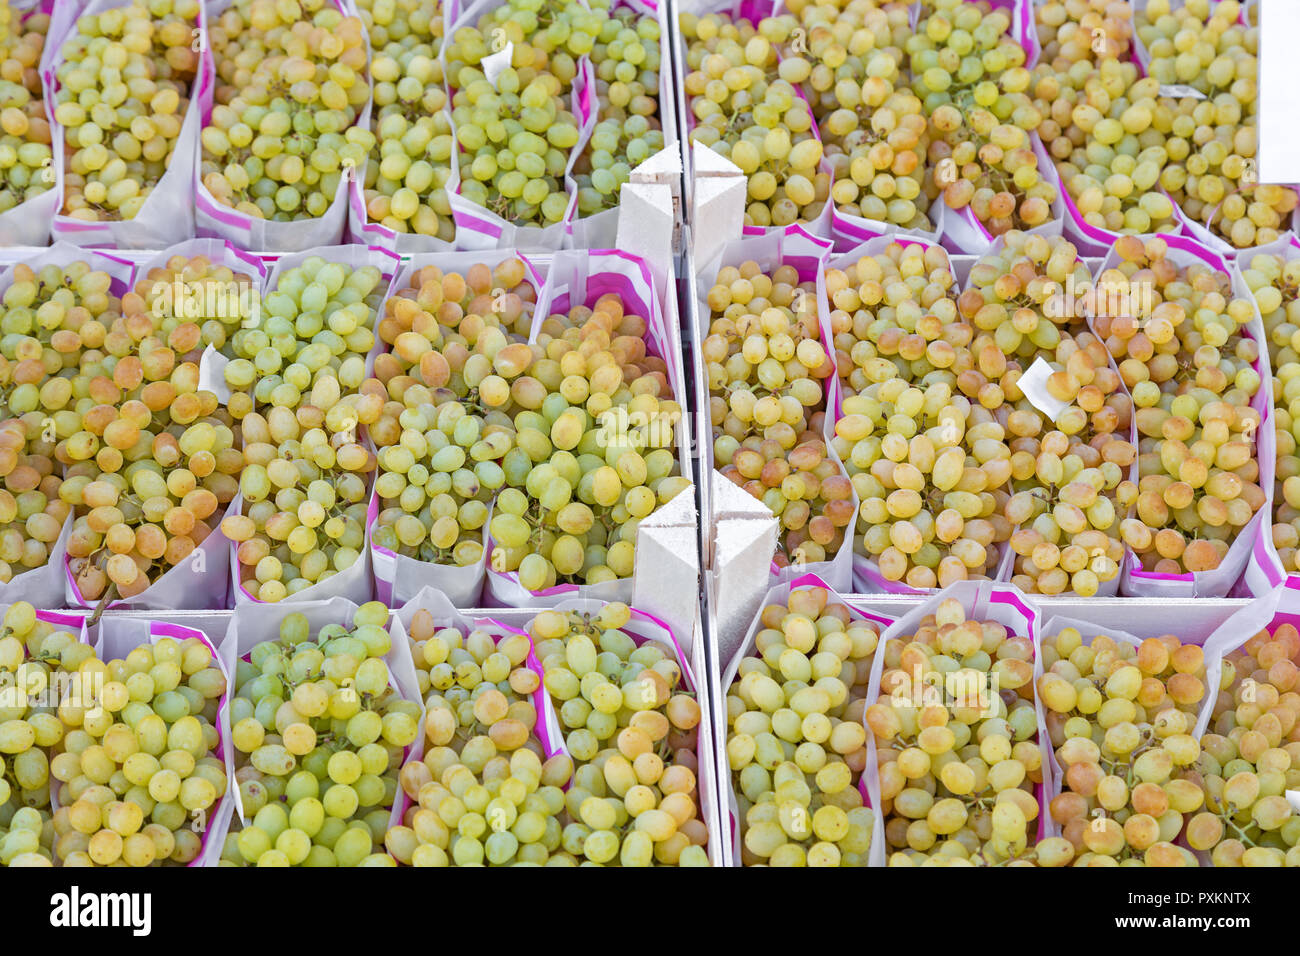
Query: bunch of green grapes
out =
(847, 63)
(928, 463)
(26, 159)
(485, 809)
(434, 424)
(480, 718)
(546, 37)
(1083, 31)
(49, 320)
(149, 458)
(628, 131)
(124, 80)
(957, 47)
(1248, 759)
(766, 366)
(745, 111)
(595, 428)
(990, 167)
(31, 725)
(456, 669)
(797, 744)
(1179, 340)
(1069, 482)
(319, 733)
(1275, 283)
(1111, 139)
(616, 145)
(406, 189)
(215, 297)
(141, 773)
(957, 744)
(473, 711)
(632, 731)
(1121, 720)
(291, 83)
(32, 513)
(1212, 173)
(969, 73)
(318, 323)
(514, 139)
(305, 496)
(570, 438)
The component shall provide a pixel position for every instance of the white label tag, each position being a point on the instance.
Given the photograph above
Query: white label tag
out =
(212, 374)
(1034, 384)
(494, 64)
(1181, 90)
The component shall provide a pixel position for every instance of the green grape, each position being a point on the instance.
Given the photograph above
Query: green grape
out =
(140, 791)
(569, 454)
(305, 497)
(746, 111)
(127, 69)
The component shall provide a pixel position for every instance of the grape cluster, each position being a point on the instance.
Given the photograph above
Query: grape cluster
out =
(1121, 718)
(626, 62)
(1083, 31)
(29, 730)
(797, 743)
(746, 111)
(569, 439)
(631, 731)
(406, 189)
(305, 495)
(1275, 283)
(26, 158)
(1178, 337)
(142, 772)
(316, 325)
(957, 745)
(1214, 142)
(766, 367)
(124, 84)
(1110, 138)
(1248, 757)
(194, 289)
(291, 83)
(319, 732)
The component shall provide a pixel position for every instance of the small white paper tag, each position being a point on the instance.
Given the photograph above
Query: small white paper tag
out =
(494, 64)
(1181, 90)
(1293, 798)
(1034, 384)
(212, 374)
